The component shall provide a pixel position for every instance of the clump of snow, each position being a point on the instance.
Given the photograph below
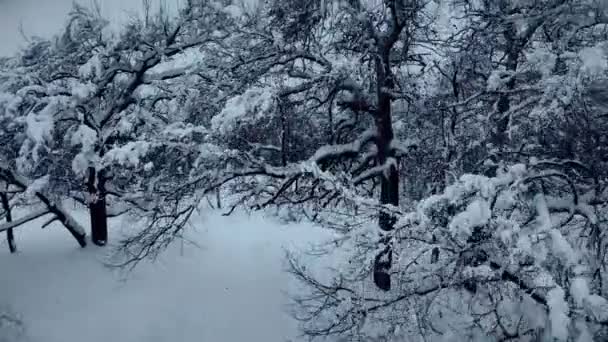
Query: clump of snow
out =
(85, 137)
(543, 217)
(234, 11)
(476, 183)
(37, 185)
(247, 108)
(588, 211)
(542, 59)
(497, 80)
(476, 214)
(80, 163)
(355, 146)
(125, 126)
(180, 130)
(39, 126)
(558, 313)
(594, 60)
(482, 271)
(83, 90)
(180, 64)
(524, 244)
(505, 200)
(145, 91)
(561, 247)
(9, 102)
(129, 154)
(209, 150)
(579, 290)
(91, 69)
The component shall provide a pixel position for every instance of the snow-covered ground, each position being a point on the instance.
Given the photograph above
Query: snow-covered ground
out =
(232, 287)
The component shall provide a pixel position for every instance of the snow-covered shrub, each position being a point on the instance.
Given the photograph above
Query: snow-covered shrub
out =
(487, 259)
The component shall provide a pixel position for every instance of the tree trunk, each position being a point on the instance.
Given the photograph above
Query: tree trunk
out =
(499, 135)
(284, 133)
(218, 199)
(389, 182)
(97, 207)
(10, 237)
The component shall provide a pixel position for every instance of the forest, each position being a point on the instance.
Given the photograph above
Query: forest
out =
(455, 150)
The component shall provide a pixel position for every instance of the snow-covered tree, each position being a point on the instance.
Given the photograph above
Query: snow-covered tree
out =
(107, 105)
(22, 131)
(472, 133)
(517, 264)
(328, 78)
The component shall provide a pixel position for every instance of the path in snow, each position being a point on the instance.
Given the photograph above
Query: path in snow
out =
(229, 288)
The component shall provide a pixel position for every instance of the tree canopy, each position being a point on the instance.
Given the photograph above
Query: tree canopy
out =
(458, 150)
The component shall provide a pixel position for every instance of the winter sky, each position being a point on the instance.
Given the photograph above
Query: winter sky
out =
(45, 17)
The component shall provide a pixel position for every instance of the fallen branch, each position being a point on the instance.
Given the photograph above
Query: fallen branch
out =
(23, 220)
(66, 219)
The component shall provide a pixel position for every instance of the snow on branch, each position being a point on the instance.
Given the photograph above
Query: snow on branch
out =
(561, 163)
(62, 215)
(333, 151)
(403, 147)
(379, 170)
(560, 204)
(30, 217)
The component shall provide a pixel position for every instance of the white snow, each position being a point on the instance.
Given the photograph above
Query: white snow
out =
(81, 163)
(179, 130)
(232, 287)
(561, 247)
(92, 69)
(84, 136)
(558, 314)
(234, 11)
(579, 290)
(148, 166)
(247, 108)
(477, 214)
(594, 60)
(37, 185)
(597, 307)
(82, 91)
(39, 126)
(542, 210)
(187, 61)
(497, 79)
(128, 154)
(335, 150)
(542, 59)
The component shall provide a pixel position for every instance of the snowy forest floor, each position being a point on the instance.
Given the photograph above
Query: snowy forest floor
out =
(231, 287)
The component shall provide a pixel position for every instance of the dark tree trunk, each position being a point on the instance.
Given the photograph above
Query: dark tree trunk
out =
(389, 182)
(10, 237)
(284, 137)
(499, 135)
(500, 139)
(97, 207)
